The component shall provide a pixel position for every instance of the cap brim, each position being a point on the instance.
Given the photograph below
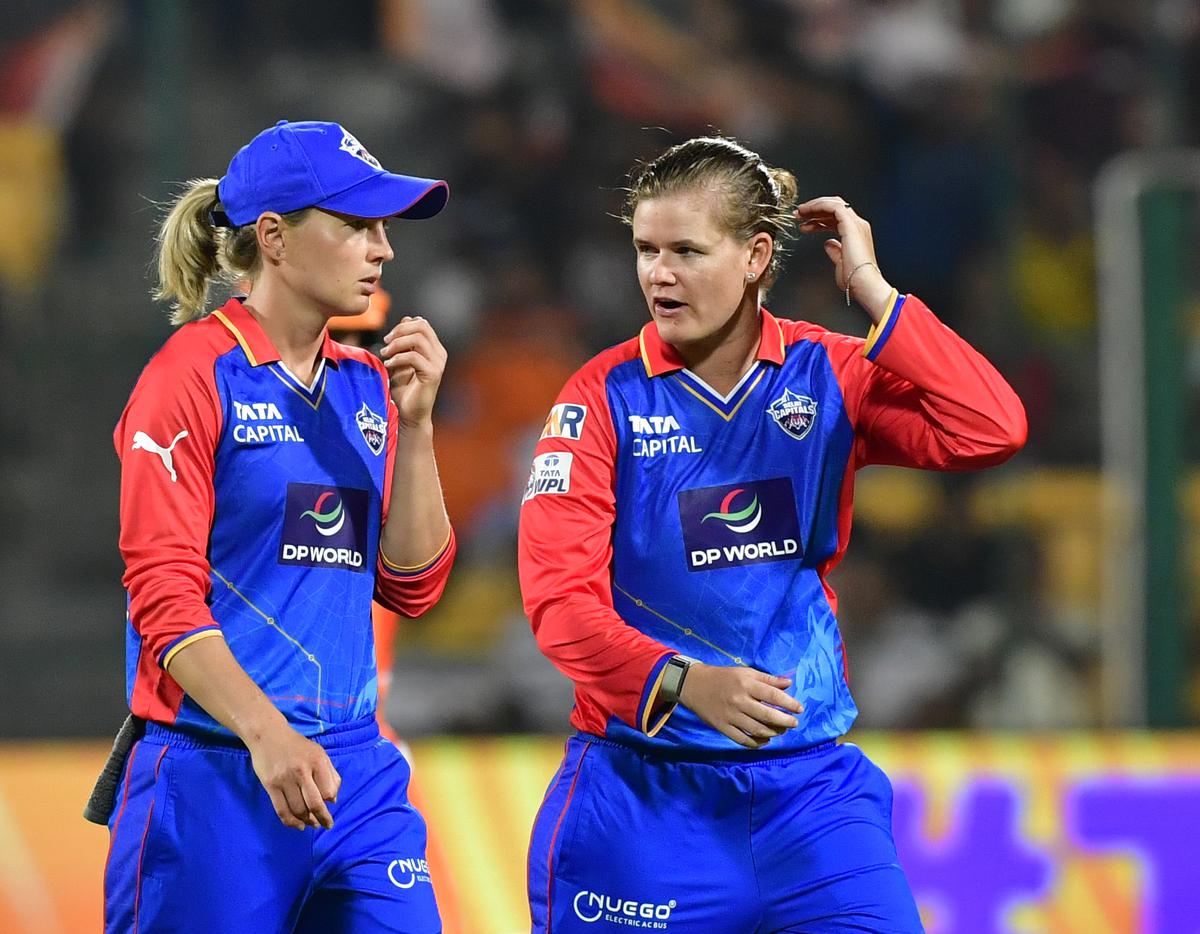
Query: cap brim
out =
(388, 195)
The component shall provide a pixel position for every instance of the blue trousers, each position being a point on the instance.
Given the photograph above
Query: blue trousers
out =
(195, 845)
(765, 845)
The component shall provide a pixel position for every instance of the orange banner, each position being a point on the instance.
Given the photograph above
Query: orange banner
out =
(1070, 834)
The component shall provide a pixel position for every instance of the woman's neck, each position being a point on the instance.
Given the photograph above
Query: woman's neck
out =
(723, 359)
(295, 331)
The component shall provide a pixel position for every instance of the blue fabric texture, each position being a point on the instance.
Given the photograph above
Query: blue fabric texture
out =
(197, 846)
(799, 841)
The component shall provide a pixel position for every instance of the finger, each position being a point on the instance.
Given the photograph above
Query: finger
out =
(296, 807)
(757, 733)
(315, 802)
(412, 360)
(830, 204)
(818, 224)
(775, 681)
(419, 343)
(408, 324)
(766, 694)
(774, 720)
(328, 780)
(739, 736)
(833, 249)
(764, 721)
(282, 811)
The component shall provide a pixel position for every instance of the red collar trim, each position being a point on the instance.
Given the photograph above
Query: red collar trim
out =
(253, 339)
(660, 358)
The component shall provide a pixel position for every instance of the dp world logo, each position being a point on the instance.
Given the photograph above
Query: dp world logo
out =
(325, 527)
(329, 518)
(741, 521)
(747, 522)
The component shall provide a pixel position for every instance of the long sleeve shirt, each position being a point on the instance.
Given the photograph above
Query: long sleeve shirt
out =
(662, 517)
(251, 507)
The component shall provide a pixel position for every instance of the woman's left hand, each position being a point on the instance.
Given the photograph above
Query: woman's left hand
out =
(415, 361)
(853, 255)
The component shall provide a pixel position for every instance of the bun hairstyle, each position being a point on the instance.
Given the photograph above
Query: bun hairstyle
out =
(193, 250)
(754, 197)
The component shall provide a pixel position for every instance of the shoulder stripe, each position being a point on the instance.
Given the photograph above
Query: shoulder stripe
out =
(220, 316)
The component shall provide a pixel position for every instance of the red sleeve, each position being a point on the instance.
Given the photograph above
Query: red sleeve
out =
(409, 591)
(565, 556)
(920, 396)
(166, 440)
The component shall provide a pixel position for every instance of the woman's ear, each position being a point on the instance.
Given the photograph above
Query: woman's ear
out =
(269, 228)
(762, 248)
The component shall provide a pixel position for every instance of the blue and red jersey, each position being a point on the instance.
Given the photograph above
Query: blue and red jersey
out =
(663, 517)
(251, 509)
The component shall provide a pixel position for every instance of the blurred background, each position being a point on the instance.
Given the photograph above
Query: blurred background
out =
(1023, 643)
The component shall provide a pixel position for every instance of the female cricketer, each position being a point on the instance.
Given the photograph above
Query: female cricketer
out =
(690, 494)
(273, 482)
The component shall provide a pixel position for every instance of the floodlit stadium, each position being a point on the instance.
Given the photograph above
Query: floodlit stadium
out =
(1022, 642)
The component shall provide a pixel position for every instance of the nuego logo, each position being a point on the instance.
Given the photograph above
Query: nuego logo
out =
(331, 521)
(742, 521)
(405, 873)
(357, 150)
(592, 906)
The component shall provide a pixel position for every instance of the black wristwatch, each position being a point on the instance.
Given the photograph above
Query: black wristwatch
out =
(672, 680)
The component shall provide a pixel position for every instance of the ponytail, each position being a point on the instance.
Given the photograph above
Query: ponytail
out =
(188, 251)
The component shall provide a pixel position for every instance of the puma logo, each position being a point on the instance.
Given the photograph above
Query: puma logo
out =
(143, 442)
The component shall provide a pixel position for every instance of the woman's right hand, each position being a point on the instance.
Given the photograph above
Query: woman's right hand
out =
(298, 775)
(746, 705)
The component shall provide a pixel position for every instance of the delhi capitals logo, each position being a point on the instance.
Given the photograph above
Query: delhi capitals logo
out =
(743, 520)
(794, 413)
(357, 150)
(331, 521)
(373, 428)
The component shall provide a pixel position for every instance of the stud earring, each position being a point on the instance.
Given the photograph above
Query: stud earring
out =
(749, 277)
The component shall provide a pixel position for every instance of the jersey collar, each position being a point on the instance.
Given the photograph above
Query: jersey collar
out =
(660, 358)
(253, 339)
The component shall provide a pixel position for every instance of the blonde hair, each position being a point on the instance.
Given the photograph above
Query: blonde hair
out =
(754, 197)
(192, 251)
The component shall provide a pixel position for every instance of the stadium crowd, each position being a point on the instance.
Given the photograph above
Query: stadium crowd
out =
(966, 601)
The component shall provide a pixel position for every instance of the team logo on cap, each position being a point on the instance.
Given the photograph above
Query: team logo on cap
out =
(357, 150)
(373, 428)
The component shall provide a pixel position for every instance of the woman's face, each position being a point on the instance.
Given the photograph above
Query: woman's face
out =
(336, 260)
(691, 269)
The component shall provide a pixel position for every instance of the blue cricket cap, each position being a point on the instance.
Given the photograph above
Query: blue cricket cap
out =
(319, 165)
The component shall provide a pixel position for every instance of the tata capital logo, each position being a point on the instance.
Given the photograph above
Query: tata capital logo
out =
(591, 907)
(743, 521)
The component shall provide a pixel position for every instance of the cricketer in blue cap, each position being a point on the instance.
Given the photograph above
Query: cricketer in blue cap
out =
(307, 164)
(274, 483)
